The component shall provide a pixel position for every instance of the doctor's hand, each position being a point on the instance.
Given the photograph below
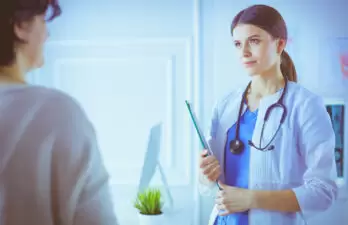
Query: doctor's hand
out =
(210, 166)
(233, 200)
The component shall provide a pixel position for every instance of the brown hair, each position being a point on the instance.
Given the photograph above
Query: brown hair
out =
(14, 12)
(270, 20)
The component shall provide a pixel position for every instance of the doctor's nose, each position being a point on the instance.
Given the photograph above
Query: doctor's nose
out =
(246, 52)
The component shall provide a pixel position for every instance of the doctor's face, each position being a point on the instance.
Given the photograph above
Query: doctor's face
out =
(257, 49)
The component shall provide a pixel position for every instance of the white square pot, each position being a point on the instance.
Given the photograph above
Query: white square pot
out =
(151, 219)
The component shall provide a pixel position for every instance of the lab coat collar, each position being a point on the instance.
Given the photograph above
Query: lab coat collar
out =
(233, 108)
(271, 99)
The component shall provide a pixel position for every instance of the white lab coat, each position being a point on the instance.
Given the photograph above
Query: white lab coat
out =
(303, 159)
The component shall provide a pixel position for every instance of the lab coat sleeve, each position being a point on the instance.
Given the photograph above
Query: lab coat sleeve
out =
(80, 179)
(317, 144)
(206, 187)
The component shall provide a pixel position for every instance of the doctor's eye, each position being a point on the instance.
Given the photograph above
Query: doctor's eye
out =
(237, 44)
(254, 41)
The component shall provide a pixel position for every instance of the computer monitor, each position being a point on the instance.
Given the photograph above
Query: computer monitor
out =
(152, 163)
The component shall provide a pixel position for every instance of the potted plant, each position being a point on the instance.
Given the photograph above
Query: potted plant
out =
(149, 205)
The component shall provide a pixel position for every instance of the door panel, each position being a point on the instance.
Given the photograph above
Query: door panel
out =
(131, 65)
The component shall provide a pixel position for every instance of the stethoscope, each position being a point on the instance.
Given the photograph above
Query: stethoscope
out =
(237, 146)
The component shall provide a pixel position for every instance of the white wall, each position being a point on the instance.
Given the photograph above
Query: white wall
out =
(105, 53)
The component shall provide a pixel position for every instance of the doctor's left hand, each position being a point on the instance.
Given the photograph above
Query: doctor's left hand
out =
(233, 199)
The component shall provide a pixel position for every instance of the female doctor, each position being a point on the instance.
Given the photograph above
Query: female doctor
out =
(272, 142)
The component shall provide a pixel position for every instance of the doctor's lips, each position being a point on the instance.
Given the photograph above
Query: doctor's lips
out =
(249, 63)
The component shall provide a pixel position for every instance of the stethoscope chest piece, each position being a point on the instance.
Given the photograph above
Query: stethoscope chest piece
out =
(236, 146)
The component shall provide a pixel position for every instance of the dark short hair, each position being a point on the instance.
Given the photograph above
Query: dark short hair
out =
(14, 12)
(270, 20)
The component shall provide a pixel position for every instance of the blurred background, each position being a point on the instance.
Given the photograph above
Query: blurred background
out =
(132, 64)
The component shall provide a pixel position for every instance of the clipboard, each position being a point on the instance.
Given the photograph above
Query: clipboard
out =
(198, 129)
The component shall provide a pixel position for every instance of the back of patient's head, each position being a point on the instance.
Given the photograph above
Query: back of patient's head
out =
(18, 13)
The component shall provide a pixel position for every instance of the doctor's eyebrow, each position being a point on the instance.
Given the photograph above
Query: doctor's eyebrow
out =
(250, 37)
(254, 36)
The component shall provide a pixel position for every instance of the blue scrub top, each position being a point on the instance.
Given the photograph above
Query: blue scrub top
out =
(237, 166)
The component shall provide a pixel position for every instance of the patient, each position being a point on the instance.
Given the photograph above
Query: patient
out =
(51, 171)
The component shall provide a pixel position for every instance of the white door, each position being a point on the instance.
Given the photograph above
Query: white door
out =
(131, 64)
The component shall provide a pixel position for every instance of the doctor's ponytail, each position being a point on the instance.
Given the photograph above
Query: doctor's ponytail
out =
(287, 67)
(270, 20)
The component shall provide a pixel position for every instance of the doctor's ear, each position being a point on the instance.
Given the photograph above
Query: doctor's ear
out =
(281, 43)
